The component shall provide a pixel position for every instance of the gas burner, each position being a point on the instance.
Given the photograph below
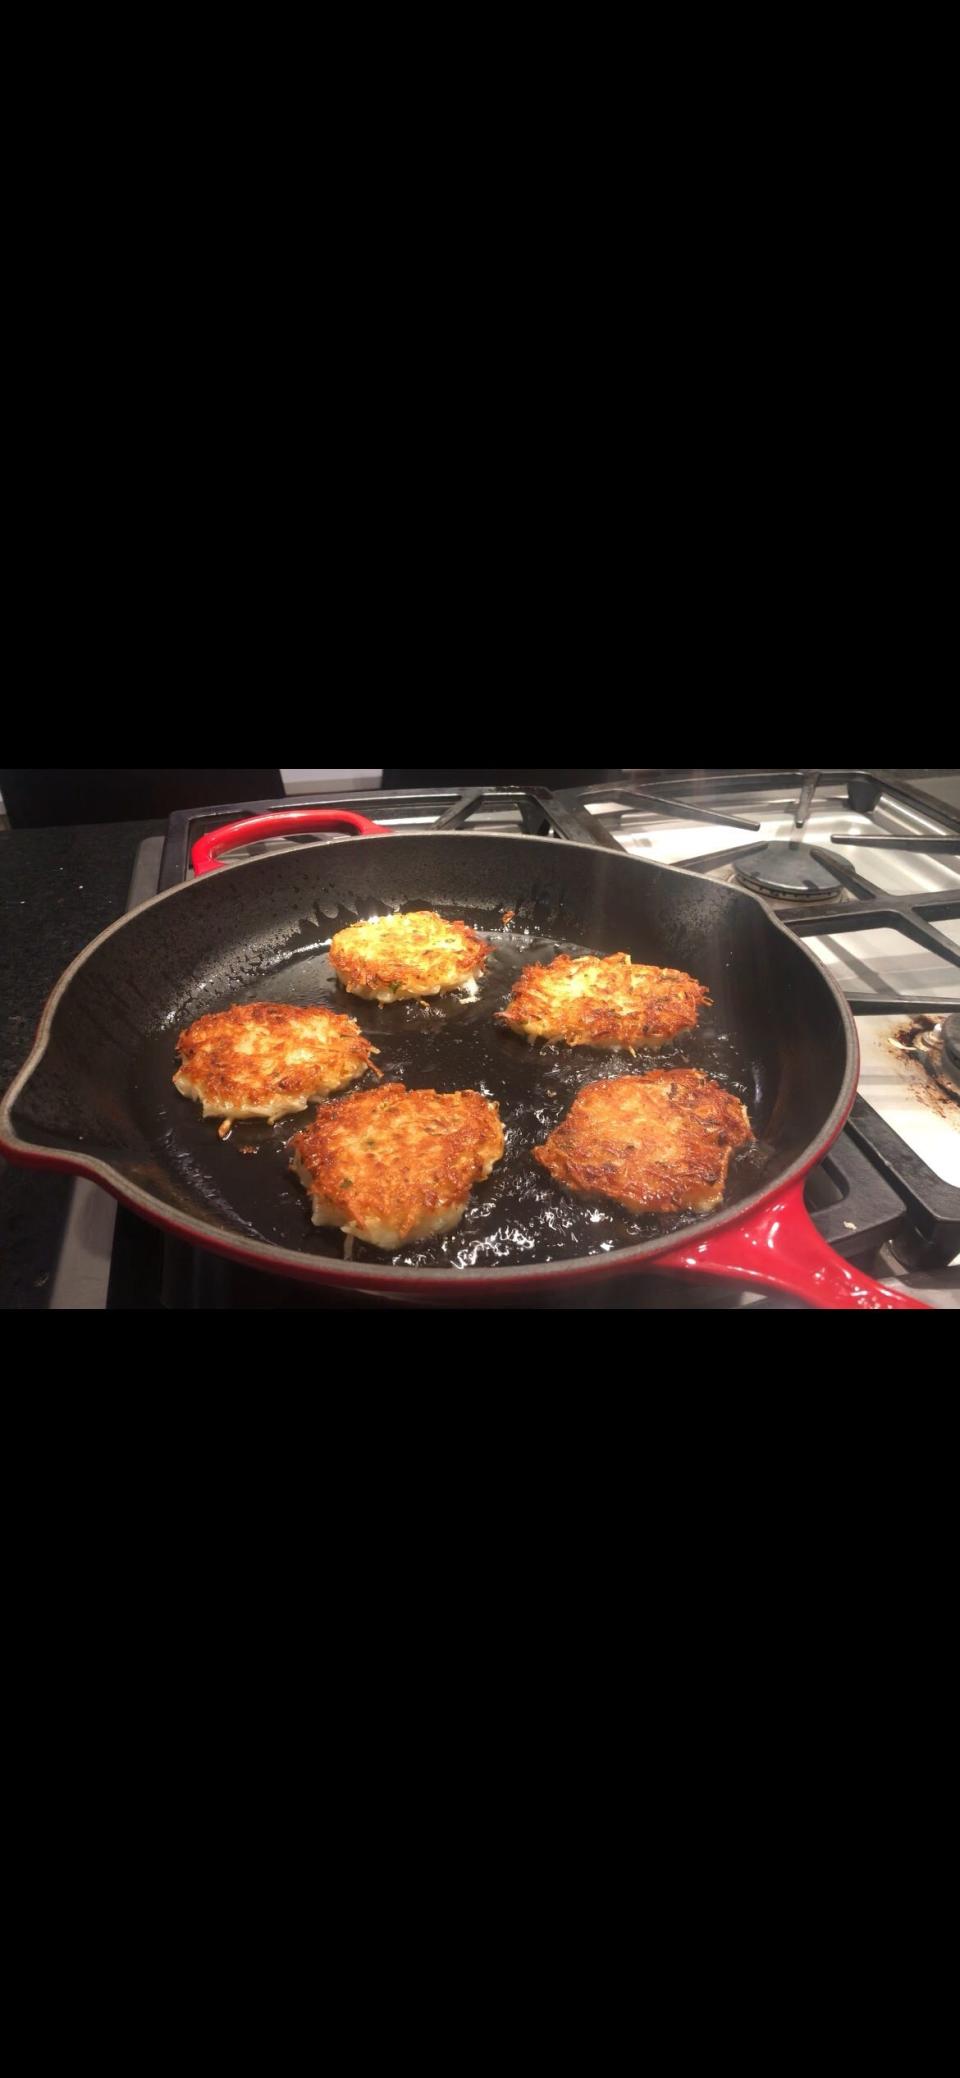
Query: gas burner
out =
(936, 1045)
(950, 1034)
(788, 872)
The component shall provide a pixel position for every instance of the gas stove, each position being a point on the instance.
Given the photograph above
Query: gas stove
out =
(864, 866)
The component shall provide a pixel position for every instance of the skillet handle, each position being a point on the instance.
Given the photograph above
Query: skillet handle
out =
(205, 856)
(779, 1247)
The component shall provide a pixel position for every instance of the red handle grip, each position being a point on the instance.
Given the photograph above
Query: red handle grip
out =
(779, 1247)
(205, 856)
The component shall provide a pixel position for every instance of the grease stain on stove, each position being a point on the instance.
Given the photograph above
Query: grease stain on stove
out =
(918, 1045)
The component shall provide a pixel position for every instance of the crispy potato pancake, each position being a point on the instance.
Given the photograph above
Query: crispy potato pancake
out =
(655, 1143)
(391, 959)
(394, 1165)
(603, 1002)
(264, 1060)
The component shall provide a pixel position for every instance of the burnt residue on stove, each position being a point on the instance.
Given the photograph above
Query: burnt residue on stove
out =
(920, 1039)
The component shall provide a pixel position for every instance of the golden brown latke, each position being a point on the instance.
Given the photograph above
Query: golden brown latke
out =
(263, 1060)
(394, 1165)
(603, 1002)
(656, 1143)
(390, 959)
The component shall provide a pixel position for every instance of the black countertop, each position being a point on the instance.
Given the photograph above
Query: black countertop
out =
(58, 888)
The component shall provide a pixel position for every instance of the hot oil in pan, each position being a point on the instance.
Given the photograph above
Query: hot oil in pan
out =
(519, 1215)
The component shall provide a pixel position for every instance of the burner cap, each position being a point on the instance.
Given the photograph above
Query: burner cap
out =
(788, 871)
(950, 1034)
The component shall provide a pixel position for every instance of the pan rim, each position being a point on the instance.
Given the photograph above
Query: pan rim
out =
(400, 1277)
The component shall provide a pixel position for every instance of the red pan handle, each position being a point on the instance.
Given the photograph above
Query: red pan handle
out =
(779, 1246)
(205, 856)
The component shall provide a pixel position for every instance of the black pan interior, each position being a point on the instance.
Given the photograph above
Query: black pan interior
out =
(775, 1035)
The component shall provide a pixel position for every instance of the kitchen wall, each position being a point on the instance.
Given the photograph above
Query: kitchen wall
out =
(305, 779)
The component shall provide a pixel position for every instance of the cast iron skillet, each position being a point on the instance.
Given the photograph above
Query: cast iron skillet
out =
(96, 1096)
